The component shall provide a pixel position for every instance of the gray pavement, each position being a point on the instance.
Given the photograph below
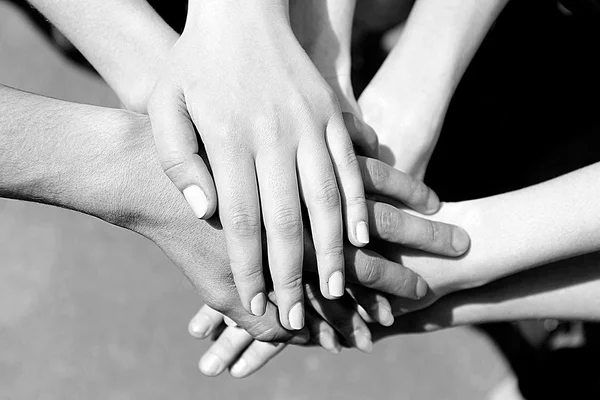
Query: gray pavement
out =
(89, 311)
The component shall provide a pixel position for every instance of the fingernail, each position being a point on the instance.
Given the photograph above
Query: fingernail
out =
(197, 200)
(329, 342)
(433, 204)
(296, 316)
(239, 367)
(363, 341)
(200, 327)
(258, 305)
(460, 240)
(385, 316)
(362, 232)
(210, 365)
(229, 321)
(299, 338)
(422, 288)
(336, 284)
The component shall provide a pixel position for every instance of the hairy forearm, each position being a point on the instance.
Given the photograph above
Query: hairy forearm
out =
(125, 40)
(80, 157)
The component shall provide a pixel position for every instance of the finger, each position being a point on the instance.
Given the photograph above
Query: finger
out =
(267, 328)
(224, 351)
(349, 179)
(343, 318)
(370, 269)
(375, 304)
(205, 322)
(177, 148)
(322, 198)
(240, 215)
(322, 333)
(367, 268)
(363, 136)
(392, 225)
(256, 355)
(283, 222)
(386, 181)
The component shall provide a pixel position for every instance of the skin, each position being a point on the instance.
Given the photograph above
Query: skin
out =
(407, 100)
(102, 162)
(106, 31)
(275, 138)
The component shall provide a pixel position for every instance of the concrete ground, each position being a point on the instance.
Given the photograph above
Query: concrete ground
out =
(89, 311)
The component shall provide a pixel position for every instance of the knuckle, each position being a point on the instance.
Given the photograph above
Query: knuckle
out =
(328, 97)
(251, 274)
(174, 166)
(387, 222)
(377, 173)
(334, 251)
(226, 343)
(349, 160)
(404, 284)
(328, 194)
(371, 273)
(419, 192)
(433, 232)
(220, 302)
(290, 282)
(287, 223)
(265, 334)
(244, 223)
(269, 125)
(356, 201)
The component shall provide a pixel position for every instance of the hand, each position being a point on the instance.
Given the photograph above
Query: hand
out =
(140, 197)
(235, 349)
(407, 122)
(136, 195)
(324, 29)
(274, 135)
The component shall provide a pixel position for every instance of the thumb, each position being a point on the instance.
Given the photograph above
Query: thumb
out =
(177, 147)
(363, 136)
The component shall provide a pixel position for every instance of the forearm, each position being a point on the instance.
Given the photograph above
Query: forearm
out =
(519, 230)
(80, 157)
(125, 40)
(421, 73)
(566, 290)
(324, 29)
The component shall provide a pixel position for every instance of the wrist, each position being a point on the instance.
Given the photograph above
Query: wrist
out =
(210, 12)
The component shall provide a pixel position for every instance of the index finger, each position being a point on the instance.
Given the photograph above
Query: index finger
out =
(384, 180)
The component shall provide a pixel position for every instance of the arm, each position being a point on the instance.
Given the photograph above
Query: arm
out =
(406, 101)
(125, 40)
(566, 290)
(324, 29)
(513, 232)
(102, 162)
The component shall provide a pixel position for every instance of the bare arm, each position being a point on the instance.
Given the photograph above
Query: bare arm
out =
(102, 162)
(406, 101)
(513, 232)
(566, 290)
(324, 29)
(125, 40)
